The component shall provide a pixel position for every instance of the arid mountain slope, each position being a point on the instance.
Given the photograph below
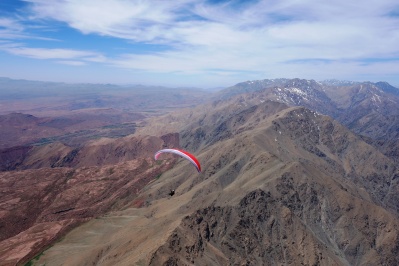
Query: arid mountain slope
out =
(279, 186)
(369, 109)
(366, 108)
(94, 153)
(314, 210)
(39, 205)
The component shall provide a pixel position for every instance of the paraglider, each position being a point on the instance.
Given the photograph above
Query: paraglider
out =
(183, 154)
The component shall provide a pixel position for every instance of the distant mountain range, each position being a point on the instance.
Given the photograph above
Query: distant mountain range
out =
(295, 172)
(366, 108)
(351, 103)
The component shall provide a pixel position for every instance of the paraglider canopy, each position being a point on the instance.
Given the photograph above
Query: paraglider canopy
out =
(183, 154)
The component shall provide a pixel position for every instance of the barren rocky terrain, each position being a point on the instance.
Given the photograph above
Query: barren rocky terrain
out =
(40, 205)
(281, 184)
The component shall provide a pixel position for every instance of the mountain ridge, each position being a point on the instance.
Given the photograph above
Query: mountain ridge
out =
(368, 109)
(309, 188)
(302, 160)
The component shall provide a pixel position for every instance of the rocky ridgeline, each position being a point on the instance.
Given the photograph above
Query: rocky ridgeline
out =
(334, 204)
(292, 226)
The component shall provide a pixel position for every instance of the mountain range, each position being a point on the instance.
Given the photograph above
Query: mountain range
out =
(368, 109)
(295, 172)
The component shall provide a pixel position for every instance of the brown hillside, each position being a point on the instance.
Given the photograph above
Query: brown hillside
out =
(279, 186)
(99, 152)
(39, 205)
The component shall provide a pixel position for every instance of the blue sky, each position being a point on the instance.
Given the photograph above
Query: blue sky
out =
(198, 43)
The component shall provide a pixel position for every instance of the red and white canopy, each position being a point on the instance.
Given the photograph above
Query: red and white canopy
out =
(183, 154)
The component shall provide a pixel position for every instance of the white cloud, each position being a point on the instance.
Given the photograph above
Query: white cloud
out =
(254, 37)
(283, 23)
(45, 53)
(72, 63)
(10, 24)
(136, 20)
(11, 29)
